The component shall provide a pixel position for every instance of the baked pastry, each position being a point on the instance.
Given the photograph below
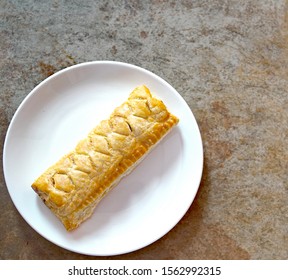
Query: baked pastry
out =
(74, 185)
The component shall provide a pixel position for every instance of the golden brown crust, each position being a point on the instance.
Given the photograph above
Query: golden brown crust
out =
(74, 185)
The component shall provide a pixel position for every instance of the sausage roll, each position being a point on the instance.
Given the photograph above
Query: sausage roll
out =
(74, 185)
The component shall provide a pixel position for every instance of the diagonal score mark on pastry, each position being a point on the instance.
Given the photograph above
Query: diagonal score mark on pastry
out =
(74, 185)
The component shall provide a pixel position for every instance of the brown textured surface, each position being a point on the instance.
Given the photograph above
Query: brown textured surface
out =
(228, 59)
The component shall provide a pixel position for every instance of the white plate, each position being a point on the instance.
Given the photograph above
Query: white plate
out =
(62, 110)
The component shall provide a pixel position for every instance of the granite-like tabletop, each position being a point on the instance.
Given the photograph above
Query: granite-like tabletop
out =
(228, 60)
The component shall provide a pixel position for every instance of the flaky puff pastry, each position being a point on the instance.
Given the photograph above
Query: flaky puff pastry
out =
(74, 185)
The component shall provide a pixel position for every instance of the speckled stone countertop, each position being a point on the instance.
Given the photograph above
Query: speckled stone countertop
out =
(229, 61)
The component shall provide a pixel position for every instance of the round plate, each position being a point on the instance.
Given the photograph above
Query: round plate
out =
(59, 112)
